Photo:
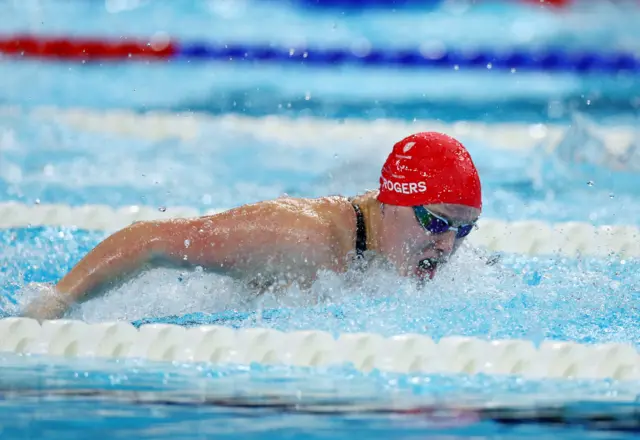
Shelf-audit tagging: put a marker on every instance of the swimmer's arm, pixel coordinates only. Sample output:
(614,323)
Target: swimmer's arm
(126,252)
(230,243)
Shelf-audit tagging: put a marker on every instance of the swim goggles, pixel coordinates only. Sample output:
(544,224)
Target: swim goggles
(437,225)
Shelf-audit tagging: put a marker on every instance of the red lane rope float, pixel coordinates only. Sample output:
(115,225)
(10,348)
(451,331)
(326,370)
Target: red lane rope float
(84,49)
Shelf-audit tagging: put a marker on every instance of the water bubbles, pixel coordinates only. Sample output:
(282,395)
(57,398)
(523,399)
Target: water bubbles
(361,47)
(162,209)
(36,202)
(160,41)
(590,183)
(187,243)
(611,196)
(48,170)
(555,109)
(433,50)
(538,131)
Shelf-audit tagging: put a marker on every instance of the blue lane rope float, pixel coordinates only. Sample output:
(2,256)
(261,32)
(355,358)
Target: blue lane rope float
(546,60)
(125,49)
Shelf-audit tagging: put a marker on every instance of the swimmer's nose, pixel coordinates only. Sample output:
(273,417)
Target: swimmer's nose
(445,242)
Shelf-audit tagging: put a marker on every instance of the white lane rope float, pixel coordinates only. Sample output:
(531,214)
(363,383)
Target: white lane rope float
(186,126)
(531,237)
(406,353)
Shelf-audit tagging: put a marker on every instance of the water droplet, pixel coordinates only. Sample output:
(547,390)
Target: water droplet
(162,209)
(187,243)
(590,183)
(611,196)
(36,202)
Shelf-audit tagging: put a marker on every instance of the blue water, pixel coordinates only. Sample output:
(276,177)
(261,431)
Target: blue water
(222,167)
(586,300)
(259,90)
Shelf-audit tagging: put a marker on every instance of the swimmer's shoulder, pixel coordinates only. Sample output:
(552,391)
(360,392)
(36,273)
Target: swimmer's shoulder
(329,211)
(322,229)
(324,215)
(320,208)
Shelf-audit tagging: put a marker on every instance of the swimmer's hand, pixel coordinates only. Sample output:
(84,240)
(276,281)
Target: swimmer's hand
(48,303)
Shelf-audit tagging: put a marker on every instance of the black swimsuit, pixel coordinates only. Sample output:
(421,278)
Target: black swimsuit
(361,233)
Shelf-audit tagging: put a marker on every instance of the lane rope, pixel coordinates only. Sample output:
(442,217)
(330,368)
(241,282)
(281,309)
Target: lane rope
(162,47)
(406,353)
(159,125)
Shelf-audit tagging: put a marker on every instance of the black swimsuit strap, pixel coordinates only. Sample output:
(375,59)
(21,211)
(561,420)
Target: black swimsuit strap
(361,232)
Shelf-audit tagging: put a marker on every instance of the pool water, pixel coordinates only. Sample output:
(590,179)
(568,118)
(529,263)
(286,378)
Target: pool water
(221,87)
(186,401)
(222,166)
(587,300)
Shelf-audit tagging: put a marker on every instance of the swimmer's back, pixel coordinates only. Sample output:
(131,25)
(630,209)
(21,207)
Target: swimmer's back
(276,236)
(290,230)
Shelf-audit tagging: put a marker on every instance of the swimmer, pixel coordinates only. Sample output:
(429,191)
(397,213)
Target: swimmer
(428,201)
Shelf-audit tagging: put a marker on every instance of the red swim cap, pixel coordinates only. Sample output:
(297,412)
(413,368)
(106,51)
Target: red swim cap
(428,168)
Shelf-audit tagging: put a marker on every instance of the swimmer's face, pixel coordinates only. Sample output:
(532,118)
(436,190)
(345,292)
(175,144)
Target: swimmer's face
(407,245)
